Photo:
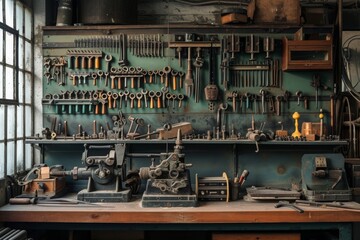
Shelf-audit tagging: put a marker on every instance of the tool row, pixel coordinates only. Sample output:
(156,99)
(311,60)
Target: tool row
(84,101)
(119,78)
(115,44)
(269,102)
(256,74)
(146,45)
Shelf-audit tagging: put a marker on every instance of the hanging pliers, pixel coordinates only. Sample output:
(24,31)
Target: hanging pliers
(288,204)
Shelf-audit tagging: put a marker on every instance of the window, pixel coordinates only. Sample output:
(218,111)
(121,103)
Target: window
(16,86)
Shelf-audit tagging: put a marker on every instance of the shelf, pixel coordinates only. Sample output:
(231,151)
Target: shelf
(186,141)
(180,28)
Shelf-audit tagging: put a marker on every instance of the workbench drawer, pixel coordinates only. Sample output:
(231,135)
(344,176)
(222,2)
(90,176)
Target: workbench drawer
(256,236)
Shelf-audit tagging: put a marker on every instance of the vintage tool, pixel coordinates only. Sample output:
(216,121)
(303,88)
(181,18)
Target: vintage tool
(268,44)
(324,177)
(212,188)
(43,201)
(341,205)
(288,204)
(211,90)
(168,183)
(252,46)
(189,82)
(40,183)
(103,170)
(296,133)
(169,131)
(271,193)
(243,177)
(198,63)
(281,132)
(225,63)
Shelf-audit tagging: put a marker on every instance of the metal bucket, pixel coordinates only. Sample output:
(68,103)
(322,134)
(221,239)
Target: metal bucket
(64,13)
(107,12)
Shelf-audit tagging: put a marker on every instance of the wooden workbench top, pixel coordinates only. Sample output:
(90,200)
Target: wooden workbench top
(207,212)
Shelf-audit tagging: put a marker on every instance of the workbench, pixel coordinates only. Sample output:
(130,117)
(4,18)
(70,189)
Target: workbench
(209,216)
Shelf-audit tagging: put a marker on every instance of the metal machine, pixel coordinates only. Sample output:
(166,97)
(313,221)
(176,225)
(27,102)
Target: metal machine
(168,183)
(104,171)
(324,177)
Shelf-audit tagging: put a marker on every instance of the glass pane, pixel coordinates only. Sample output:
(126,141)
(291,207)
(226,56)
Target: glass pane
(19,18)
(28,24)
(2,124)
(1,45)
(28,91)
(28,117)
(10,121)
(10,157)
(1,82)
(9,40)
(1,14)
(28,156)
(2,163)
(20,121)
(9,83)
(21,54)
(21,87)
(9,13)
(19,155)
(28,56)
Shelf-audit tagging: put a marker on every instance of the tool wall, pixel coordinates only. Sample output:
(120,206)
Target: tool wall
(213,80)
(234,87)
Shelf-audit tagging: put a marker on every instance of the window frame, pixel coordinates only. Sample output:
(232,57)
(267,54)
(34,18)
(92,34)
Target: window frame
(15,66)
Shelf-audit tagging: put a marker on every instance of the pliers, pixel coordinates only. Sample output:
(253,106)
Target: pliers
(288,204)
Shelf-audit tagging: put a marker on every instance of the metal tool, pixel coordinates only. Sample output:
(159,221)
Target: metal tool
(198,63)
(268,44)
(252,46)
(173,181)
(288,204)
(189,82)
(211,90)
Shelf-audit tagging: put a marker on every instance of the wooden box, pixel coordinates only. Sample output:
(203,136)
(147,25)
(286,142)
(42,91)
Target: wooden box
(307,54)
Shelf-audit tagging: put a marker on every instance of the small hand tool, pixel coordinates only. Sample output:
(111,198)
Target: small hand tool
(189,82)
(288,204)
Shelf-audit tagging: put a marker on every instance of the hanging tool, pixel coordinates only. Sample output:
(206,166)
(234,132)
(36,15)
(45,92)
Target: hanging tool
(198,63)
(268,44)
(252,46)
(316,83)
(211,90)
(189,82)
(225,64)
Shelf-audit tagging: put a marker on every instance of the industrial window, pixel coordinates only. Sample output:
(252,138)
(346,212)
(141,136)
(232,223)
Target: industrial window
(16,86)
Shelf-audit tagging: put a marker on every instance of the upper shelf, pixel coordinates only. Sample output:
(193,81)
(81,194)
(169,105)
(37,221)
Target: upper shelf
(184,28)
(185,141)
